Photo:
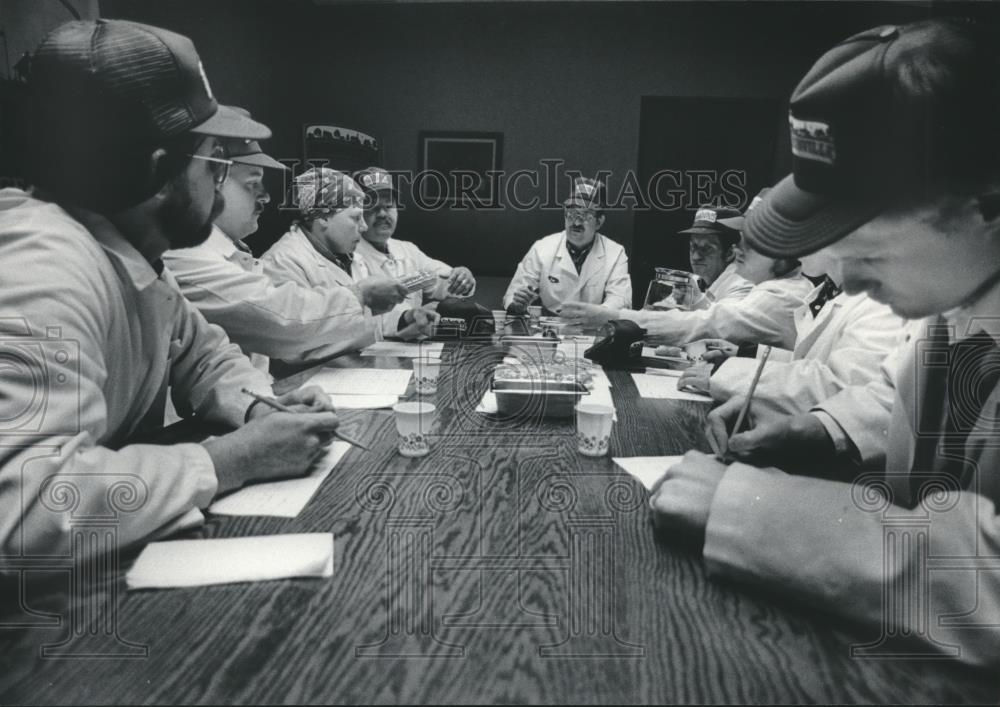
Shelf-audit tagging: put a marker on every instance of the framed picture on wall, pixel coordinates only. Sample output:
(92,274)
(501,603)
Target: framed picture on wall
(344,149)
(460,168)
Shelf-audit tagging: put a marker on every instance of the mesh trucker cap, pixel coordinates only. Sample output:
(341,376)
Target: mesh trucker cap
(374,179)
(887,116)
(152,75)
(587,193)
(712,220)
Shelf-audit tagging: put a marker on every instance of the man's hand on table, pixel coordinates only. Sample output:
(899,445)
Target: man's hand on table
(273,444)
(419,322)
(696,378)
(521,298)
(681,500)
(589,316)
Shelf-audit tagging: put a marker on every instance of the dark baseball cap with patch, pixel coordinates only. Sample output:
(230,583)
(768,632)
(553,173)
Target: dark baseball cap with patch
(889,116)
(710,220)
(152,75)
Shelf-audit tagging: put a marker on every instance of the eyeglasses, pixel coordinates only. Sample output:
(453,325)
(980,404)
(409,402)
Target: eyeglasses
(219,165)
(579,214)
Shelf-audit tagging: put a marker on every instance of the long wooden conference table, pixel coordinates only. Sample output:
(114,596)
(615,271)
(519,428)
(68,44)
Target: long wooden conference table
(502,567)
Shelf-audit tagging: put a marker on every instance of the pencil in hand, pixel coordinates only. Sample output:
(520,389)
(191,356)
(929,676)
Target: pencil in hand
(746,403)
(272,403)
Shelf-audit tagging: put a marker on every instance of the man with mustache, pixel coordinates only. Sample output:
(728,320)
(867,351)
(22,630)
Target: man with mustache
(126,161)
(766,315)
(271,318)
(385,255)
(578,263)
(895,136)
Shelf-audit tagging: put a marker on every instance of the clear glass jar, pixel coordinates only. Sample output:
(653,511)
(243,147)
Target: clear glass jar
(669,289)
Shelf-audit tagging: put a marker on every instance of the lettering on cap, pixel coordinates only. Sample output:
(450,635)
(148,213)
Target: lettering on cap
(706,215)
(373,179)
(812,140)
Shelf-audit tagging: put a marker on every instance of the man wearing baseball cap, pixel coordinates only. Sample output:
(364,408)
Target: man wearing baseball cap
(126,163)
(386,255)
(577,264)
(318,253)
(766,315)
(268,318)
(896,170)
(713,246)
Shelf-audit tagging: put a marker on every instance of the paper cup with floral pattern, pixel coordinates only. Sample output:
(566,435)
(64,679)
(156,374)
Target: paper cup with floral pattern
(593,428)
(414,422)
(425,374)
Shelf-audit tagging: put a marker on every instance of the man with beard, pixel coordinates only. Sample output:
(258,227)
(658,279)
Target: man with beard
(576,264)
(385,255)
(126,162)
(272,317)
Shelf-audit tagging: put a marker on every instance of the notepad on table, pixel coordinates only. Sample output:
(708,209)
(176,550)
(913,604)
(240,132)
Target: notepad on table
(368,381)
(648,470)
(194,563)
(363,402)
(405,349)
(285,498)
(656,386)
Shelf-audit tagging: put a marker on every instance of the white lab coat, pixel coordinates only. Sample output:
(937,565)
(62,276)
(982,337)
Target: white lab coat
(269,316)
(294,260)
(836,547)
(844,345)
(765,316)
(100,336)
(603,279)
(405,258)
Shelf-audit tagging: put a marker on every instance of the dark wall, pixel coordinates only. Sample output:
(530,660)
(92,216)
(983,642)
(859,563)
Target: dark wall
(559,80)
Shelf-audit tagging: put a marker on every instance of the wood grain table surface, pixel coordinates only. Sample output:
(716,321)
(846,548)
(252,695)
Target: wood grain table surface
(502,567)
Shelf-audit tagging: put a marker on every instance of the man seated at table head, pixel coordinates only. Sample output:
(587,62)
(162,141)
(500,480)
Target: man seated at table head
(766,315)
(318,254)
(386,255)
(578,263)
(126,161)
(712,246)
(268,319)
(895,136)
(841,340)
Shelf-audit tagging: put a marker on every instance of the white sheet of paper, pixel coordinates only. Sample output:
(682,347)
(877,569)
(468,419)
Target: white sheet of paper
(362,381)
(368,402)
(653,386)
(285,498)
(194,563)
(648,470)
(404,349)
